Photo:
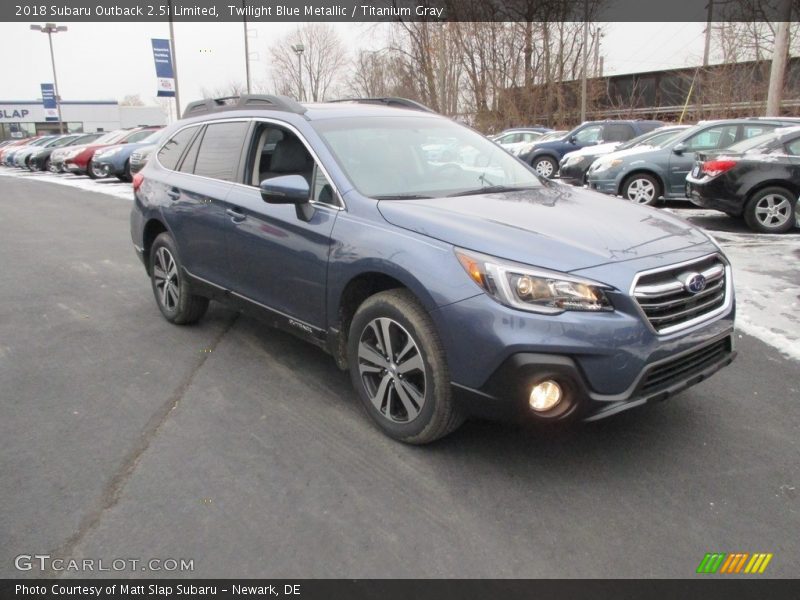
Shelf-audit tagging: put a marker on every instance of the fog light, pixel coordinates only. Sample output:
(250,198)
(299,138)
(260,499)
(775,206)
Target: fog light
(545,395)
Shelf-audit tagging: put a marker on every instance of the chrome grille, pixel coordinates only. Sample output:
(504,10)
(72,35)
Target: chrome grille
(666,300)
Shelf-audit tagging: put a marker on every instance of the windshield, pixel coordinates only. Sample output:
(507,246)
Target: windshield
(412,157)
(153,138)
(62,141)
(553,135)
(138,136)
(654,139)
(110,137)
(85,139)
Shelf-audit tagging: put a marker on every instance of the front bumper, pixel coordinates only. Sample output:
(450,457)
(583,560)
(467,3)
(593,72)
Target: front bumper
(75,168)
(574,173)
(505,395)
(608,183)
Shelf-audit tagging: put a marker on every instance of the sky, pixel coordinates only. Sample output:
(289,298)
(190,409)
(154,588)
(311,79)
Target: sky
(107,61)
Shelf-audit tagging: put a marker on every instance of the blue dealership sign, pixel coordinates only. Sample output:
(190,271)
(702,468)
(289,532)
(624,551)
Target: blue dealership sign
(162,54)
(49,102)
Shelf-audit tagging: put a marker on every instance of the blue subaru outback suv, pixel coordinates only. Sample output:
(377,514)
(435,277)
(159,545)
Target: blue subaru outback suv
(471,287)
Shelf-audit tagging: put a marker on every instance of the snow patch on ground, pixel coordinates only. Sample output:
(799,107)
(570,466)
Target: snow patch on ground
(111,186)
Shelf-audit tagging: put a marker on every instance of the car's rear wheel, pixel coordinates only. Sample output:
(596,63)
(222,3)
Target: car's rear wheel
(398,367)
(545,166)
(172,291)
(642,189)
(771,210)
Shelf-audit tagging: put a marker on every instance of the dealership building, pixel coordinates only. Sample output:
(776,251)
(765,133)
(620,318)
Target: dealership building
(24,118)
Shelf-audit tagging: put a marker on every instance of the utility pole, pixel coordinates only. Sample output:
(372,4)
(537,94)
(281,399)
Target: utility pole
(779,56)
(598,35)
(585,58)
(174,61)
(709,18)
(246,48)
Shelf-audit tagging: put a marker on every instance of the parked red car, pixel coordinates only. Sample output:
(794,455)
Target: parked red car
(78,161)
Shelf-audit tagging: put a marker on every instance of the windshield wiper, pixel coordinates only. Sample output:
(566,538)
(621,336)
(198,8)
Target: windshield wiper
(402,197)
(490,189)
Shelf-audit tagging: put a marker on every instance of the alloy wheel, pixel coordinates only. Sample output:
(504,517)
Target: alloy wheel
(641,191)
(392,370)
(165,276)
(773,210)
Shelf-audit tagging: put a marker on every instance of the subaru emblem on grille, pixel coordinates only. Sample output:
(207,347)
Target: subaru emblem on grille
(694,283)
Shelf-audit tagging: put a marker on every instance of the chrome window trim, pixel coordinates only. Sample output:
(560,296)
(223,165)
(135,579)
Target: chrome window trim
(697,320)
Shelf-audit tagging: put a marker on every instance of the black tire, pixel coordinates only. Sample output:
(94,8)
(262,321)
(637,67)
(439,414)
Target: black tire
(425,365)
(173,293)
(642,188)
(46,165)
(90,172)
(771,210)
(545,166)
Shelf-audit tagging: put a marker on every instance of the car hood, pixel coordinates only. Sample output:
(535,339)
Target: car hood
(556,226)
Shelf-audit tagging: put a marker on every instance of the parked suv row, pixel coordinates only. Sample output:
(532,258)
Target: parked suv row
(447,289)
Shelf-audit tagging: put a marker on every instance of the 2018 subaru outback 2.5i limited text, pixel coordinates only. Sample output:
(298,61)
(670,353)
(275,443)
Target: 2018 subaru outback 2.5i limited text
(448,289)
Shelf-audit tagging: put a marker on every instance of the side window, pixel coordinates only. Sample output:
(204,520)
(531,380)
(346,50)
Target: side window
(720,136)
(321,188)
(190,157)
(749,131)
(171,152)
(617,132)
(590,134)
(529,137)
(218,156)
(793,147)
(275,152)
(511,138)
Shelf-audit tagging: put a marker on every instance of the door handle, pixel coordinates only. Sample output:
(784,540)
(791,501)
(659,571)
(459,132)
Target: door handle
(174,193)
(235,214)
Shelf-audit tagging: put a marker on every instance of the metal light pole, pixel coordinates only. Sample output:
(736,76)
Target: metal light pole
(585,58)
(174,61)
(299,49)
(50,29)
(246,48)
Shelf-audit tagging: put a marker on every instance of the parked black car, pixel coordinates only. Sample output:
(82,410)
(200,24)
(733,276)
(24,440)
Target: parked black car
(544,157)
(758,179)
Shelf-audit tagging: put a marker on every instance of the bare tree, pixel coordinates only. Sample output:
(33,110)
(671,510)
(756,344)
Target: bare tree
(132,100)
(323,62)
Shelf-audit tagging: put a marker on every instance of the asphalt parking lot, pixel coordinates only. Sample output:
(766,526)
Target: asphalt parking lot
(243,449)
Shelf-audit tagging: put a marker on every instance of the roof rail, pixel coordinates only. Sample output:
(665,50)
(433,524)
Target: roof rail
(243,102)
(389,101)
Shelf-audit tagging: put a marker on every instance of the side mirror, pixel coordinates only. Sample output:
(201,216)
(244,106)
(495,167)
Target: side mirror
(679,148)
(289,189)
(573,139)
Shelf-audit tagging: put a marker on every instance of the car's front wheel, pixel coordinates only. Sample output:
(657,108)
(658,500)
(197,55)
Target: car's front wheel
(398,367)
(642,189)
(545,166)
(95,172)
(172,291)
(771,210)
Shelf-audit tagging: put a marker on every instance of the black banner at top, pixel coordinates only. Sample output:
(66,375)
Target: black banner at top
(393,10)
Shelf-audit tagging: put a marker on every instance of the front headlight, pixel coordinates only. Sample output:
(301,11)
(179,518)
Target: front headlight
(73,154)
(605,165)
(574,160)
(533,289)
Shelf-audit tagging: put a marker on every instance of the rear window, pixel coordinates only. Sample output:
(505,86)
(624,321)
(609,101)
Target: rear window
(171,152)
(220,149)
